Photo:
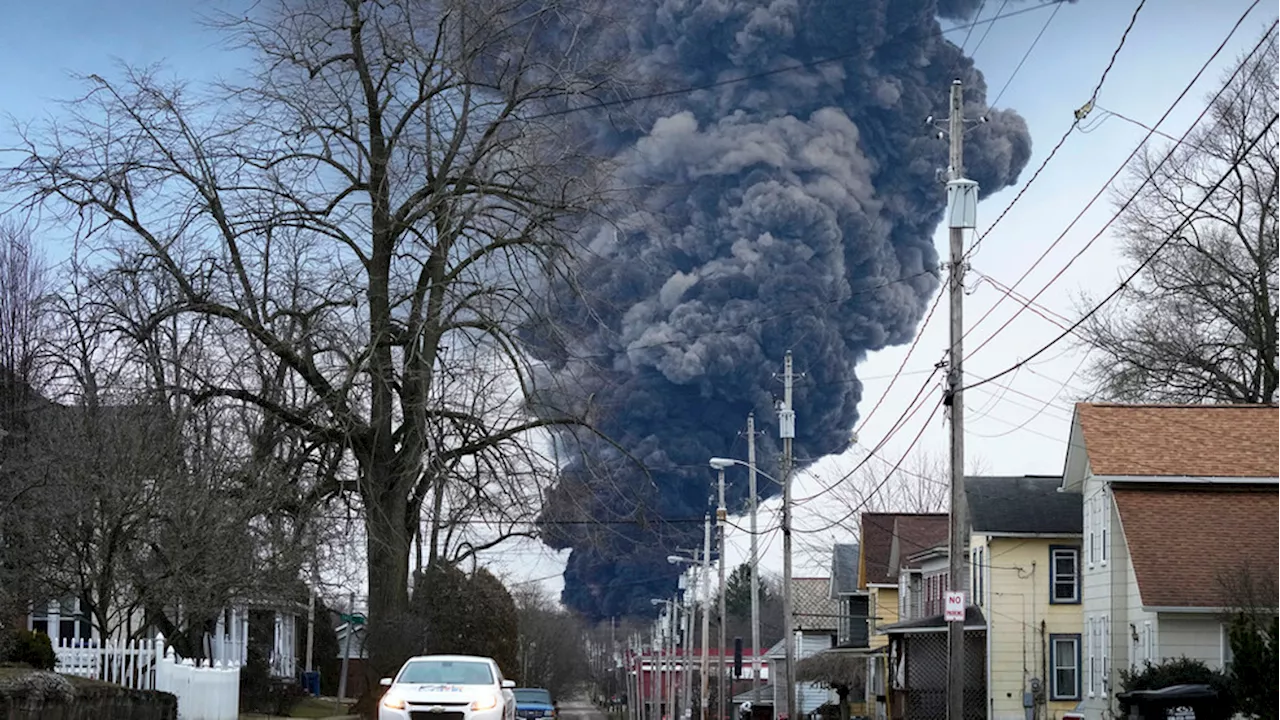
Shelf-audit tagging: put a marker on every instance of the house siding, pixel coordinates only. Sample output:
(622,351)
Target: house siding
(1020,620)
(884,607)
(1194,635)
(1097,602)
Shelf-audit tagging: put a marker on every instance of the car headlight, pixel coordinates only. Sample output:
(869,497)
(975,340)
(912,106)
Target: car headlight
(548,713)
(485,703)
(393,702)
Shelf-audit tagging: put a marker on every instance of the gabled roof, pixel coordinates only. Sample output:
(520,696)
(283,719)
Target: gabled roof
(1022,505)
(1206,441)
(1183,541)
(813,606)
(844,570)
(914,532)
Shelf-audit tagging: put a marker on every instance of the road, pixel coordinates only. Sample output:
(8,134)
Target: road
(580,709)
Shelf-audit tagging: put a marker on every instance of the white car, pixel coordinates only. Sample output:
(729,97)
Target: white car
(448,687)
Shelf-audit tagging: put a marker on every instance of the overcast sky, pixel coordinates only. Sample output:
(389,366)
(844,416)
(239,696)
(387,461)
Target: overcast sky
(1015,426)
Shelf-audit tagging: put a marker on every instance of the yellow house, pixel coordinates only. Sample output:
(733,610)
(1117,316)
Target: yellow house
(887,539)
(885,542)
(1024,553)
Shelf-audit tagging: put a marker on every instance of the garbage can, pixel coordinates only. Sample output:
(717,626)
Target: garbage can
(311,682)
(1176,702)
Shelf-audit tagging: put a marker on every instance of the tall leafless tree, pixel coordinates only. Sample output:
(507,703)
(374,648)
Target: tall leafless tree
(918,484)
(24,326)
(1199,322)
(392,182)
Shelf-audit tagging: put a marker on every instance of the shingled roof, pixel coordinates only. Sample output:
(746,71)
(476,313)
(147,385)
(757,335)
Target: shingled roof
(1182,539)
(815,610)
(1181,440)
(915,531)
(1022,505)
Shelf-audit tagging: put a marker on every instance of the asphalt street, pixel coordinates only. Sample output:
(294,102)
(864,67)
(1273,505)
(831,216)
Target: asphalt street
(580,709)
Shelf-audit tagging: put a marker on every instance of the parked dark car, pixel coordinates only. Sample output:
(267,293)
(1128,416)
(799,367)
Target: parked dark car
(535,703)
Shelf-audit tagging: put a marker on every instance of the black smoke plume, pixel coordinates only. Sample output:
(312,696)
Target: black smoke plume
(791,211)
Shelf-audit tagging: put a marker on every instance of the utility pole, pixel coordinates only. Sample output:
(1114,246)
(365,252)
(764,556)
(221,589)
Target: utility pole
(722,518)
(787,431)
(961,214)
(686,663)
(706,612)
(755,562)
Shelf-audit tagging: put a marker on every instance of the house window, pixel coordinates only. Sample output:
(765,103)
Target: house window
(1089,527)
(1227,654)
(1064,574)
(1104,522)
(62,620)
(1106,654)
(1066,667)
(977,581)
(1092,628)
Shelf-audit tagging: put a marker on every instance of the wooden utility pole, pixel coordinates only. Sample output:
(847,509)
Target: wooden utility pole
(961,215)
(755,561)
(706,613)
(787,431)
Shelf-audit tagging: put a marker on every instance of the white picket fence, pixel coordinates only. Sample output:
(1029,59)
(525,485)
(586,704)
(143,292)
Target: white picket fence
(204,693)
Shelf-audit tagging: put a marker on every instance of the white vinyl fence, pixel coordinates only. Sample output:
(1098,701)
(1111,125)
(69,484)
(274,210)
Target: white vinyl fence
(204,693)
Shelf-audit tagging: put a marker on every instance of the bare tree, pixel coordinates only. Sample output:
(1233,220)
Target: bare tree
(390,184)
(24,284)
(920,483)
(1199,322)
(24,288)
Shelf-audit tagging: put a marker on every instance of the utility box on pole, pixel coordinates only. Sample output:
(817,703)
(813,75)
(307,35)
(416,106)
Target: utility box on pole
(962,204)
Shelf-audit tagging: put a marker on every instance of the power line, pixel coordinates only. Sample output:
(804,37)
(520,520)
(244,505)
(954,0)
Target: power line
(1146,261)
(1062,140)
(1112,179)
(930,34)
(1027,54)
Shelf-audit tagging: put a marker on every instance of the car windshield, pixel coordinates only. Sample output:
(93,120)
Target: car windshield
(532,695)
(446,672)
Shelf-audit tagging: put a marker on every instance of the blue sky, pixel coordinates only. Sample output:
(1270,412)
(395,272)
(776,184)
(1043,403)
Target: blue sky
(1016,427)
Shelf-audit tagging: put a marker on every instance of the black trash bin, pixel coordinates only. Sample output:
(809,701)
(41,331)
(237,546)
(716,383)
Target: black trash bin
(1176,702)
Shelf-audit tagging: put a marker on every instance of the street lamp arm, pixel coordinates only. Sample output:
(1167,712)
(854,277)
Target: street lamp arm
(719,463)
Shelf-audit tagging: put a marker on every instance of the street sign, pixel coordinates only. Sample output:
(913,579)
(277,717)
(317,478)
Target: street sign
(353,618)
(955,607)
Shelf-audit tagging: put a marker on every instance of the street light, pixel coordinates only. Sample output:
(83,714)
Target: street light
(719,462)
(686,689)
(664,660)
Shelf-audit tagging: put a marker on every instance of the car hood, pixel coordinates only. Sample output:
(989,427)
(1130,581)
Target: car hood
(444,695)
(533,706)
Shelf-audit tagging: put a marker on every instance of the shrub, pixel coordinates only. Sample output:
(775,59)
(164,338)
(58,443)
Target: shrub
(30,648)
(1182,671)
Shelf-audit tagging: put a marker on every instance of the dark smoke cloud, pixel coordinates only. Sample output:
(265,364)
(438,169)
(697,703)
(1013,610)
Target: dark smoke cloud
(793,211)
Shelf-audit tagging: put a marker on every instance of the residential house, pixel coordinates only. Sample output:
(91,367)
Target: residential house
(1024,552)
(1177,501)
(882,537)
(851,644)
(917,658)
(885,541)
(853,629)
(816,629)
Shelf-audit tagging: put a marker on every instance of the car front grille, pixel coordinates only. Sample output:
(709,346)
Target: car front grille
(430,715)
(531,713)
